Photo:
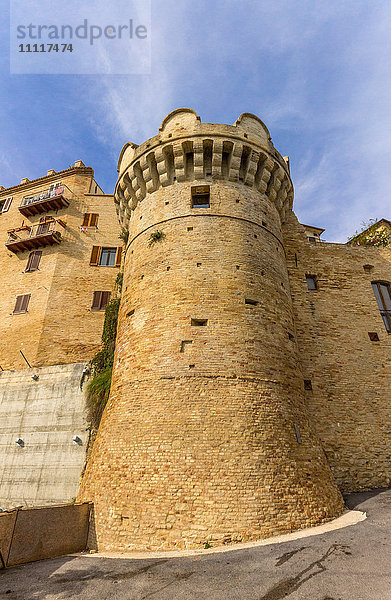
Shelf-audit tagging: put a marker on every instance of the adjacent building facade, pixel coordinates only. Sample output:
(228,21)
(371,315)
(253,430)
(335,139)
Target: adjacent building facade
(60,247)
(59,258)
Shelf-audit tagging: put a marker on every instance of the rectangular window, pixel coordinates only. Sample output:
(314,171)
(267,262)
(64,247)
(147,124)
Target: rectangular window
(100,300)
(200,196)
(22,303)
(373,336)
(90,220)
(5,204)
(312,283)
(105,257)
(383,299)
(33,261)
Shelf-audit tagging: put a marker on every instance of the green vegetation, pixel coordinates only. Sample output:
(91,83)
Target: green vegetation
(98,388)
(156,236)
(124,236)
(119,281)
(371,234)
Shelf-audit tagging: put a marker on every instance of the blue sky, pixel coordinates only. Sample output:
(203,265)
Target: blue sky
(317,73)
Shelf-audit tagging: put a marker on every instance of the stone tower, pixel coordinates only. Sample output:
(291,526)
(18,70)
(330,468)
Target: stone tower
(205,437)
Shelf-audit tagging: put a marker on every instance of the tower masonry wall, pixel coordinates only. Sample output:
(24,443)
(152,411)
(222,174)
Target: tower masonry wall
(349,403)
(206,435)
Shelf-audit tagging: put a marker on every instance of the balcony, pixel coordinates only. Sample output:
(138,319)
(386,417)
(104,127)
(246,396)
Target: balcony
(31,237)
(51,199)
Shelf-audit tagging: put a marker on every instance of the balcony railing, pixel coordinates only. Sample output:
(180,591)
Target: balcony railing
(30,237)
(51,199)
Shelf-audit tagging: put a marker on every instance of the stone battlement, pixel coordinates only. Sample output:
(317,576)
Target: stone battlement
(187,150)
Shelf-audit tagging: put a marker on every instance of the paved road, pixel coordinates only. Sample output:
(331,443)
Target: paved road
(349,564)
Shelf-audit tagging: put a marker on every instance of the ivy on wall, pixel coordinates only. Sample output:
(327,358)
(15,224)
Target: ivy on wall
(372,233)
(98,388)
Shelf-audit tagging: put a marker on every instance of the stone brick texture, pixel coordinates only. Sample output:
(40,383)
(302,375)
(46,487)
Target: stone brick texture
(207,435)
(350,374)
(59,326)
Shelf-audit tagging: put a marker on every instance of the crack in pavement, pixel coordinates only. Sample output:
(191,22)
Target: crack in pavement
(287,586)
(288,555)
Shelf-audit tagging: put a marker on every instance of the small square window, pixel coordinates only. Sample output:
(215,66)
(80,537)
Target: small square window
(307,384)
(312,283)
(368,268)
(185,344)
(373,336)
(200,196)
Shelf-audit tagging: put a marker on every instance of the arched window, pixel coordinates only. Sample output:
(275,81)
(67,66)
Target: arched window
(383,298)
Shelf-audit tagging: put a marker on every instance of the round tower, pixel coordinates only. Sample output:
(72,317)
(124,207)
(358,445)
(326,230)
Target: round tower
(205,437)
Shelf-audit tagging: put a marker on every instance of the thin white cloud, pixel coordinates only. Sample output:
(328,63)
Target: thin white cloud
(319,72)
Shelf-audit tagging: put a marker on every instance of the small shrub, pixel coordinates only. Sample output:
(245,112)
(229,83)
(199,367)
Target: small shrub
(124,236)
(371,235)
(98,391)
(156,236)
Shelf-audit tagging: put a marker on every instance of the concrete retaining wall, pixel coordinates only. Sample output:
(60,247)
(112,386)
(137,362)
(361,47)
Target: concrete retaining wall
(43,532)
(46,414)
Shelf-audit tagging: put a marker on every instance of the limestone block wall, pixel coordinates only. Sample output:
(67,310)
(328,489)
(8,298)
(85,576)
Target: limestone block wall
(350,375)
(59,326)
(46,414)
(206,436)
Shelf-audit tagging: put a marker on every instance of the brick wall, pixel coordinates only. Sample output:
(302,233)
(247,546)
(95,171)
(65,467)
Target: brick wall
(350,374)
(198,442)
(59,326)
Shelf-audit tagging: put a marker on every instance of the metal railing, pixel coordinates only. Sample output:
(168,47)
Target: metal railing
(54,226)
(52,192)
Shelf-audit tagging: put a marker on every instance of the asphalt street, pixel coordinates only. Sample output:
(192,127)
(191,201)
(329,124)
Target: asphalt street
(353,563)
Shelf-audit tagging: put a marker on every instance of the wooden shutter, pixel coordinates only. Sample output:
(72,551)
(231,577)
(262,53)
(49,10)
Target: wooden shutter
(95,255)
(96,301)
(33,260)
(36,260)
(105,299)
(90,220)
(7,204)
(94,219)
(25,302)
(22,303)
(18,304)
(118,257)
(30,261)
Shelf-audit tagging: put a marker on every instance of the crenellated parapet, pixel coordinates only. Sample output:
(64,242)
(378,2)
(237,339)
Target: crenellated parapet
(187,150)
